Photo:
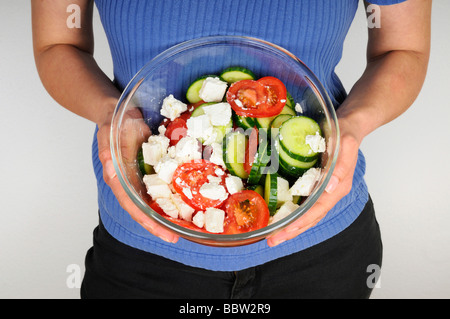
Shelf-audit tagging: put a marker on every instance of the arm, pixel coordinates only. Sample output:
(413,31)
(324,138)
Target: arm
(397,60)
(66,66)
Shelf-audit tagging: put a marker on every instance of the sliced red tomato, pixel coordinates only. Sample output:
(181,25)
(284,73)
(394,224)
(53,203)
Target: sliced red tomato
(251,149)
(262,98)
(192,176)
(245,211)
(176,130)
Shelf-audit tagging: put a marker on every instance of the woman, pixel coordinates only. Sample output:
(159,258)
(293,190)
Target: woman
(325,253)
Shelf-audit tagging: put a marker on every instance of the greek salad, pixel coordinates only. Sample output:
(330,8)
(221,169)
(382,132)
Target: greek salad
(237,156)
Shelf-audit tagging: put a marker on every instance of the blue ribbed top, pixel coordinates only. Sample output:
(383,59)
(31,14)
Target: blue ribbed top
(313,30)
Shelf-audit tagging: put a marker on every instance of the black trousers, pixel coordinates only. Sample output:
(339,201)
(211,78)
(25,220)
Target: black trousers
(341,267)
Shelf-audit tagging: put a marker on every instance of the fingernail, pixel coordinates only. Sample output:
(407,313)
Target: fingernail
(332,184)
(171,241)
(109,167)
(276,242)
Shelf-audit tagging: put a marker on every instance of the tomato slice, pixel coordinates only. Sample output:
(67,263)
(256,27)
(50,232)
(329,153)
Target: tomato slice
(262,98)
(192,176)
(245,211)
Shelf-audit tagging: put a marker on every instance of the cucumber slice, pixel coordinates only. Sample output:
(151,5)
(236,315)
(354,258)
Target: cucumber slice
(235,74)
(292,136)
(220,130)
(290,101)
(192,93)
(244,121)
(261,159)
(279,120)
(296,199)
(234,146)
(257,188)
(144,168)
(264,122)
(199,109)
(293,163)
(270,192)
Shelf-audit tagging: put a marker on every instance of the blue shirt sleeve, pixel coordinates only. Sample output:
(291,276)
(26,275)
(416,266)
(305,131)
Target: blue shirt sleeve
(385,2)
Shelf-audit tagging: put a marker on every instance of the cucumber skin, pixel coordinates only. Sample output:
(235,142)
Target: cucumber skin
(270,192)
(192,95)
(236,169)
(246,74)
(289,150)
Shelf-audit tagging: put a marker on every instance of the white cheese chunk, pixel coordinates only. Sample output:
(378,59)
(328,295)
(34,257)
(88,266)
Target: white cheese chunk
(283,194)
(175,207)
(285,210)
(184,210)
(165,168)
(187,192)
(214,219)
(213,191)
(316,142)
(199,219)
(199,127)
(219,114)
(305,184)
(217,155)
(155,149)
(156,187)
(168,207)
(162,130)
(187,149)
(298,108)
(172,108)
(234,184)
(212,90)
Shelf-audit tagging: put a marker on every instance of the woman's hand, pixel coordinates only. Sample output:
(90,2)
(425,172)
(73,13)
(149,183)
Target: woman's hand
(129,150)
(339,185)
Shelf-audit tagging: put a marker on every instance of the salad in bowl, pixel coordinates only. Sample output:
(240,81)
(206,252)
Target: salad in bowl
(227,153)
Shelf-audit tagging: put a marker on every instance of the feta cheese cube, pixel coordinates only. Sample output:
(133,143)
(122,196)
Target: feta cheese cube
(172,108)
(213,191)
(219,114)
(155,149)
(184,210)
(214,219)
(156,187)
(285,210)
(305,184)
(199,127)
(283,193)
(168,206)
(316,142)
(213,90)
(187,149)
(187,192)
(199,219)
(217,155)
(165,168)
(234,184)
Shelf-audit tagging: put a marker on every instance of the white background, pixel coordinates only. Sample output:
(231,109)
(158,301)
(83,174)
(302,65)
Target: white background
(48,190)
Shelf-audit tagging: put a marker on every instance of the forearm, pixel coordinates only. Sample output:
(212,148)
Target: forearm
(74,80)
(387,88)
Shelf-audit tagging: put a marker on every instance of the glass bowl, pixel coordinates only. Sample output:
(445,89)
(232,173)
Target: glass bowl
(137,114)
